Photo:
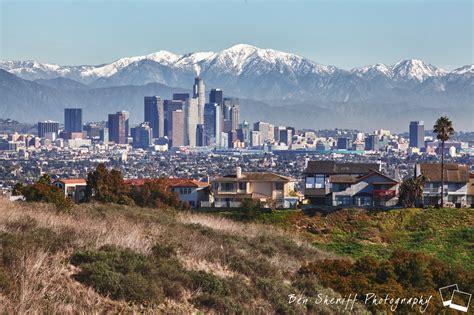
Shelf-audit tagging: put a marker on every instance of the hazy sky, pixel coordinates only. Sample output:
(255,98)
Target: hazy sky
(341,33)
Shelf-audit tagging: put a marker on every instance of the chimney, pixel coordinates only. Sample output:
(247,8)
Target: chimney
(238,172)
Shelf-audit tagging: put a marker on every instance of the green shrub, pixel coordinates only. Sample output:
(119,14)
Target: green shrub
(44,191)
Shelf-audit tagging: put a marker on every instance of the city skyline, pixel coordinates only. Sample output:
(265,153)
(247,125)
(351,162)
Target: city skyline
(62,37)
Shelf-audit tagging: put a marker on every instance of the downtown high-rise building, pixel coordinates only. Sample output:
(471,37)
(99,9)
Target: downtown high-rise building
(180,96)
(283,134)
(168,107)
(266,131)
(216,96)
(231,112)
(417,134)
(117,125)
(190,121)
(199,92)
(372,143)
(48,128)
(142,136)
(154,115)
(73,120)
(177,128)
(212,124)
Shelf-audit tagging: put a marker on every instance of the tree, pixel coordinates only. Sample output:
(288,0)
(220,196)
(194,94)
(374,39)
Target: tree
(107,186)
(44,191)
(411,190)
(443,130)
(155,193)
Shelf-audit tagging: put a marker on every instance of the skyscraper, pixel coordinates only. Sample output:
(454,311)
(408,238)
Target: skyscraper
(73,120)
(177,128)
(200,135)
(190,121)
(266,131)
(180,96)
(212,124)
(343,143)
(372,143)
(231,111)
(168,107)
(199,92)
(154,114)
(142,136)
(126,116)
(417,134)
(216,96)
(48,127)
(117,125)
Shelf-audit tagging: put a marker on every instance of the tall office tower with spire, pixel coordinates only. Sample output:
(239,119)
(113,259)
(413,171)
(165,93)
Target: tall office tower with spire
(154,115)
(199,92)
(190,121)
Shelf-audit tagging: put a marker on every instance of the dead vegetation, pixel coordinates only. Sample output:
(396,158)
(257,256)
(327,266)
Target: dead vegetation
(222,266)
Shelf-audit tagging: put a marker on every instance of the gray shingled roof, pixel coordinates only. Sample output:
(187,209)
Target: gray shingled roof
(333,168)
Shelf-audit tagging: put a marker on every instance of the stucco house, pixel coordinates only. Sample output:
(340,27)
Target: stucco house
(265,187)
(72,188)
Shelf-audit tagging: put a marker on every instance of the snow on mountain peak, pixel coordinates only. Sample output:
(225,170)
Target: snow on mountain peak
(415,69)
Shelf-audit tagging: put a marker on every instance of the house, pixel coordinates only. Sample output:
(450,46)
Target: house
(72,188)
(456,182)
(470,191)
(188,190)
(349,184)
(265,187)
(192,191)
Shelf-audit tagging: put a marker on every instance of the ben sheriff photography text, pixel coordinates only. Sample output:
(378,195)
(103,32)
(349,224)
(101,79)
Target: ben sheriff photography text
(347,303)
(236,157)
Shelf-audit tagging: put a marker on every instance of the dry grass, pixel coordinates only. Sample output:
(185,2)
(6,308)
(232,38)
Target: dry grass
(203,243)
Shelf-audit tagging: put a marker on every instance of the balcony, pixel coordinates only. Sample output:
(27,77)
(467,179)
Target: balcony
(384,193)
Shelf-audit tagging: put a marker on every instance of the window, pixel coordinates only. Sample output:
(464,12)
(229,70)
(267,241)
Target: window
(319,181)
(363,201)
(279,186)
(227,187)
(242,185)
(185,191)
(343,200)
(309,182)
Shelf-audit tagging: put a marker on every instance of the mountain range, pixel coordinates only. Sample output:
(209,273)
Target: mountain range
(281,86)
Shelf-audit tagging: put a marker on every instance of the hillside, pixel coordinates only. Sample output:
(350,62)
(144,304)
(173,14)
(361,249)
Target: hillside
(110,258)
(157,260)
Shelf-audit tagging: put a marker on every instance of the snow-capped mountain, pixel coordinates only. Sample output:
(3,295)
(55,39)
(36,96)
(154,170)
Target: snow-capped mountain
(248,71)
(404,70)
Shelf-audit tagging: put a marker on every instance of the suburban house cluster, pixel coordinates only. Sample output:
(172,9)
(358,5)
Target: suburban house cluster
(325,183)
(349,184)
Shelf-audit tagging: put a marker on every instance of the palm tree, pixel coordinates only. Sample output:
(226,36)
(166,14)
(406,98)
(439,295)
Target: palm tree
(443,129)
(411,191)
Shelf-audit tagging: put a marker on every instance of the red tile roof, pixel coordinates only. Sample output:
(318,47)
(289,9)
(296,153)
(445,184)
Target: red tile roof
(73,181)
(170,182)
